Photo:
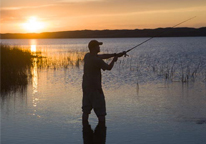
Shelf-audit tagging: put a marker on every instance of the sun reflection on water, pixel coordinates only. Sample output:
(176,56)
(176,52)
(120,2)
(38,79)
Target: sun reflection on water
(34,78)
(33,43)
(33,48)
(35,99)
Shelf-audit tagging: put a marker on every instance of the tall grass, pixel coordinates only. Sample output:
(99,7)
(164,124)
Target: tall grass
(15,68)
(72,59)
(172,68)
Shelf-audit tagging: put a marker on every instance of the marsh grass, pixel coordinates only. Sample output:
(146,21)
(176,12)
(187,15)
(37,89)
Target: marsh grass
(15,68)
(68,61)
(171,68)
(17,63)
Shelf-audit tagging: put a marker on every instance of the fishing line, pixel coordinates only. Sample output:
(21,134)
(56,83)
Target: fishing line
(157,35)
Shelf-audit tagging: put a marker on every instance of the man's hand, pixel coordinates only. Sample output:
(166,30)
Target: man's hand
(115,58)
(121,54)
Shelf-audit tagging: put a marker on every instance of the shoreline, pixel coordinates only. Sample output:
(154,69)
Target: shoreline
(136,33)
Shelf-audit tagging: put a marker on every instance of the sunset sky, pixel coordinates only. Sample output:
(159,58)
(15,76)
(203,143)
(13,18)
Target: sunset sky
(23,16)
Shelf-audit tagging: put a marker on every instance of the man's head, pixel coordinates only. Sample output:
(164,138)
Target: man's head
(94,46)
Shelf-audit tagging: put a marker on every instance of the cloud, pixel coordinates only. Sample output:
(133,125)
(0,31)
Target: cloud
(107,7)
(26,7)
(94,8)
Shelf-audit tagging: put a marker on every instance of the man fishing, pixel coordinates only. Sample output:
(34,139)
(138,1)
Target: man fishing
(93,96)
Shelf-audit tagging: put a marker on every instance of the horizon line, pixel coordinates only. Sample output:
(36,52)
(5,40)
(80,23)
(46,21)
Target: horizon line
(103,30)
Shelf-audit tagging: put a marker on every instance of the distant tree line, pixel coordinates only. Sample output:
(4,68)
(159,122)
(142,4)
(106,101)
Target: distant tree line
(159,32)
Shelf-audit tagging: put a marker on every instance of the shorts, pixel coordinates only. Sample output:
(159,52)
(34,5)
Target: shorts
(94,99)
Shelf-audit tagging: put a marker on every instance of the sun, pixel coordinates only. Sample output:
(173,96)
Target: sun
(33,25)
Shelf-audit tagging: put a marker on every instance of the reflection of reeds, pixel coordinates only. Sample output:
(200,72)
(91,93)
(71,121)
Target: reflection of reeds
(15,68)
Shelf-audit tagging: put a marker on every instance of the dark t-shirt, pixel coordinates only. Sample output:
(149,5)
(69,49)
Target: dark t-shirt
(92,71)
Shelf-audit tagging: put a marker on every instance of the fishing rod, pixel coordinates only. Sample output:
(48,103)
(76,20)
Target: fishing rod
(156,36)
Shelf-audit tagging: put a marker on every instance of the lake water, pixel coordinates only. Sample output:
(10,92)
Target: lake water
(157,95)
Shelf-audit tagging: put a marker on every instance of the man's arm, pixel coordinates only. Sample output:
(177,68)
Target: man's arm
(110,66)
(107,56)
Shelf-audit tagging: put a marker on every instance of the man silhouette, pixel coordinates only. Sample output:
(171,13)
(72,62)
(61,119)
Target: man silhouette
(93,96)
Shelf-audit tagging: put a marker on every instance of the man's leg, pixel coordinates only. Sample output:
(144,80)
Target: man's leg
(86,105)
(100,105)
(100,133)
(85,117)
(87,133)
(101,119)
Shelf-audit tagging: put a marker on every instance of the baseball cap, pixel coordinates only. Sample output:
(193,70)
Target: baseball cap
(94,43)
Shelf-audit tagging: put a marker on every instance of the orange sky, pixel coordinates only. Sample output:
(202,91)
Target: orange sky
(24,16)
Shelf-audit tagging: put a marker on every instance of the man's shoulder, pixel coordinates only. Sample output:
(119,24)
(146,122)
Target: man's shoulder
(93,58)
(87,54)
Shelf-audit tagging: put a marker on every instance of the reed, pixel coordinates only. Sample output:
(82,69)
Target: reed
(171,68)
(15,68)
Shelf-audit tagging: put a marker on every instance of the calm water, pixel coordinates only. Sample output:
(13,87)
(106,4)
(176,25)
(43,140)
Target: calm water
(157,95)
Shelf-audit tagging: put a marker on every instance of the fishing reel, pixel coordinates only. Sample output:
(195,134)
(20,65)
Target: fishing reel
(125,54)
